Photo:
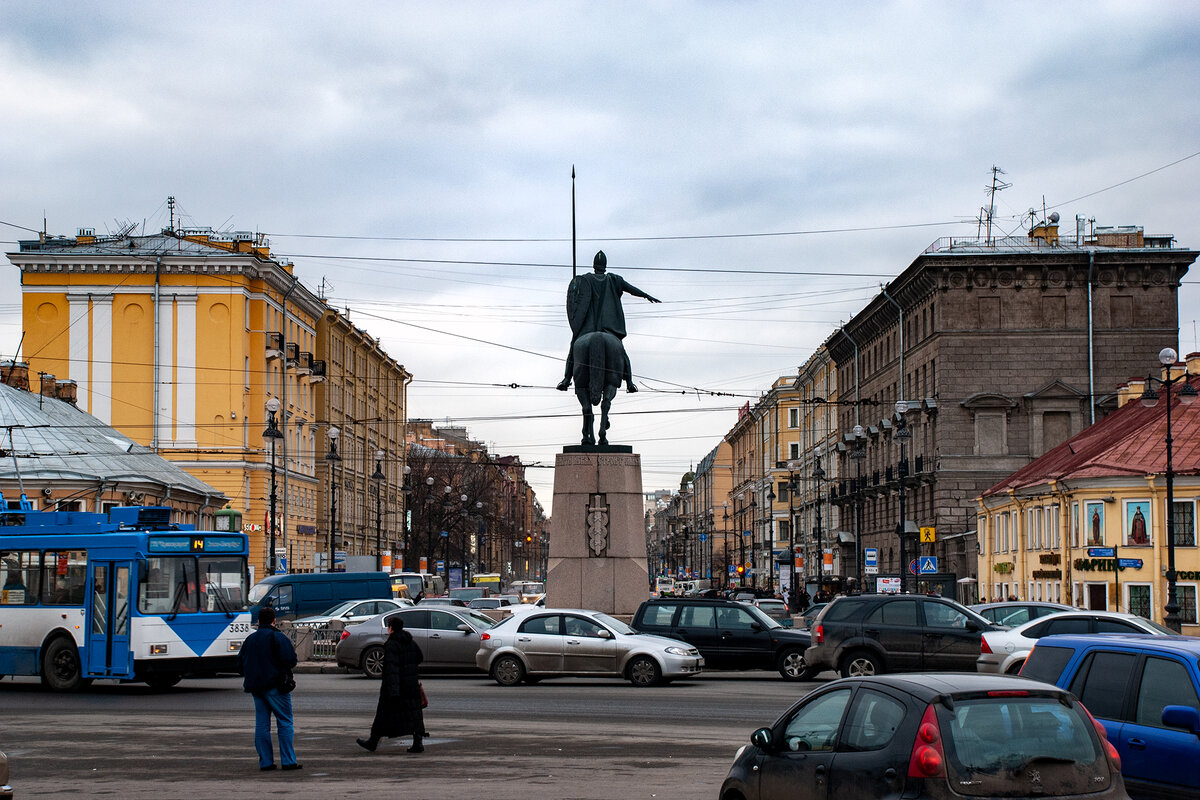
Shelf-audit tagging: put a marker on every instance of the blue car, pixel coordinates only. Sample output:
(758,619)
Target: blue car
(1145,690)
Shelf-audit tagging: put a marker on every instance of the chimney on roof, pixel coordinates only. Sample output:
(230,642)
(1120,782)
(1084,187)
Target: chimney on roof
(15,374)
(1131,391)
(67,391)
(48,385)
(1192,360)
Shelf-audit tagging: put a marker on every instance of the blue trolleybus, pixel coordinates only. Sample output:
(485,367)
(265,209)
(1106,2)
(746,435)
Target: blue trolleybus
(123,594)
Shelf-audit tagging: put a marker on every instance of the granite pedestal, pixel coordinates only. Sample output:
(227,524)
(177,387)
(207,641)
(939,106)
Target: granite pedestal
(597,556)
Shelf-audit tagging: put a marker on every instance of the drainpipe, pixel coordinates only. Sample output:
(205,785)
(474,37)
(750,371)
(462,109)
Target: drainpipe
(900,309)
(1091,341)
(154,442)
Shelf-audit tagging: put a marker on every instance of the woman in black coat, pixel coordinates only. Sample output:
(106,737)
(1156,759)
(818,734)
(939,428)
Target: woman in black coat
(399,709)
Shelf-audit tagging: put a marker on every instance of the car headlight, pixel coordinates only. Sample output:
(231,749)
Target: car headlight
(682,651)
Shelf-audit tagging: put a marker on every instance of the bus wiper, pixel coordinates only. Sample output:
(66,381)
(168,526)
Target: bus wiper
(214,591)
(180,594)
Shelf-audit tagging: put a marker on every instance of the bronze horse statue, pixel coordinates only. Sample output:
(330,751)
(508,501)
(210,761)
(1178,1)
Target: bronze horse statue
(599,364)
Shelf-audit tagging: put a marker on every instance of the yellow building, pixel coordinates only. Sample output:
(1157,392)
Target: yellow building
(178,339)
(1086,523)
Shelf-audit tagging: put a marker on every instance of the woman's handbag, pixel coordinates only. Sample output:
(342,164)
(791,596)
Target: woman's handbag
(424,699)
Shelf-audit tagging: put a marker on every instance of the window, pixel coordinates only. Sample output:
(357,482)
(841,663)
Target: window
(1184,521)
(1138,599)
(896,612)
(697,617)
(793,418)
(1185,594)
(1164,683)
(940,615)
(543,625)
(1101,687)
(873,721)
(19,577)
(170,586)
(63,575)
(815,725)
(578,626)
(443,621)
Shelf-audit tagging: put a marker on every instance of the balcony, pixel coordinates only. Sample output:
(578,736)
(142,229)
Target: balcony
(274,345)
(304,365)
(317,372)
(293,354)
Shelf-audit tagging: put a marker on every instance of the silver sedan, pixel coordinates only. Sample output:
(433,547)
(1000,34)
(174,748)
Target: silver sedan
(448,637)
(1005,651)
(563,642)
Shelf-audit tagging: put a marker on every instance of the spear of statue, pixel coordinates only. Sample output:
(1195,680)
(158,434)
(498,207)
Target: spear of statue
(574,267)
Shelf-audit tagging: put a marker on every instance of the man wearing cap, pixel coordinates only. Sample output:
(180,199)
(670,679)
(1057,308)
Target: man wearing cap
(267,658)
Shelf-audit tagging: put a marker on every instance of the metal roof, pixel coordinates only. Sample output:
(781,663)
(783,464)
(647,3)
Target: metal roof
(53,440)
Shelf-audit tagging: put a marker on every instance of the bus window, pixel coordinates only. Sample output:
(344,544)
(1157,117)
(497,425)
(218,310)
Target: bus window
(19,577)
(170,586)
(223,584)
(63,575)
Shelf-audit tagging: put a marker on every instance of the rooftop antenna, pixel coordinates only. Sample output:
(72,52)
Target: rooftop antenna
(997,186)
(171,206)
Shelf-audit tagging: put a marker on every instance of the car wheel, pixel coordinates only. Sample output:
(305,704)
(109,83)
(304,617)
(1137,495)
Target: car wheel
(372,662)
(61,670)
(860,664)
(791,665)
(508,671)
(1015,669)
(644,671)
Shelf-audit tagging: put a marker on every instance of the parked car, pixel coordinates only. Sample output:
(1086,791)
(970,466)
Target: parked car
(1016,612)
(352,612)
(562,642)
(775,609)
(810,614)
(730,635)
(456,602)
(1145,691)
(1006,651)
(870,634)
(929,736)
(303,594)
(6,791)
(469,593)
(448,638)
(492,602)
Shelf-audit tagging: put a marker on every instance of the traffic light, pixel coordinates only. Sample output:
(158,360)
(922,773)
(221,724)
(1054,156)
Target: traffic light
(528,538)
(741,569)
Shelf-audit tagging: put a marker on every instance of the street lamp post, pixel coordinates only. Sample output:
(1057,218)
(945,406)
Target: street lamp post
(725,549)
(1187,395)
(405,536)
(792,465)
(272,433)
(770,537)
(446,508)
(819,475)
(859,453)
(902,434)
(753,541)
(378,478)
(332,457)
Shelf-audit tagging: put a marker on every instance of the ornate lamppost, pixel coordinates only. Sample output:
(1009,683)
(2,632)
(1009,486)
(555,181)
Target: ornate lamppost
(902,435)
(333,458)
(725,550)
(770,535)
(818,475)
(272,433)
(1187,395)
(859,453)
(378,477)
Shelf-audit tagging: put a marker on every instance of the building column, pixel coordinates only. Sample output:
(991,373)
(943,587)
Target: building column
(185,371)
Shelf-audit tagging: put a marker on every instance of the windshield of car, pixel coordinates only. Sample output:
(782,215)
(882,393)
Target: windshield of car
(1015,745)
(614,624)
(481,621)
(1159,628)
(260,591)
(771,605)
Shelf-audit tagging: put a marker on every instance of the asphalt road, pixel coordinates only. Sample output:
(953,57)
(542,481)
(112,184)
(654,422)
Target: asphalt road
(563,738)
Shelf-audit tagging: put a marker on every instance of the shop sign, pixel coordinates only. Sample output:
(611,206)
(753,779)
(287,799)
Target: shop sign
(1107,564)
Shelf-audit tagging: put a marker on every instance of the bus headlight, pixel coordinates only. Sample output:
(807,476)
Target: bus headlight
(235,647)
(158,649)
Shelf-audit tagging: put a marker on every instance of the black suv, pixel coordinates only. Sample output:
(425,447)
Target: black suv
(729,635)
(870,634)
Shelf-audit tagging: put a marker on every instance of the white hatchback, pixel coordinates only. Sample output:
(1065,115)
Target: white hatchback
(1006,651)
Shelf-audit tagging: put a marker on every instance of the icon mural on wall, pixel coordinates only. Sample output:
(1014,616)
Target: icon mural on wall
(1137,522)
(1093,515)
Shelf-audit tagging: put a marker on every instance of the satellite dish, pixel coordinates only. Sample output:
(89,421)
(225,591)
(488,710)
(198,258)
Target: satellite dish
(1054,217)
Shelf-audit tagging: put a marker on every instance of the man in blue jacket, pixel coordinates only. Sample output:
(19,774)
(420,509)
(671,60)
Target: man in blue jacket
(267,658)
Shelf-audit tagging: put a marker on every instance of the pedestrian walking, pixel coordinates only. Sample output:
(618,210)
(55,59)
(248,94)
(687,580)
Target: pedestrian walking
(399,710)
(267,659)
(802,600)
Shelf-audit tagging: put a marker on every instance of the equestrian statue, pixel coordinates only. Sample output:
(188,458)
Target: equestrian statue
(596,360)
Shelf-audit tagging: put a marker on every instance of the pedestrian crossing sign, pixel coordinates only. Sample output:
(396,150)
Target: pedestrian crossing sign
(928,565)
(927,535)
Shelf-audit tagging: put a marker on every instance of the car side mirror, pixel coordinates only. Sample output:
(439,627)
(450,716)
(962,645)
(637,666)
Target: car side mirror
(1184,717)
(763,740)
(604,634)
(757,628)
(465,628)
(973,626)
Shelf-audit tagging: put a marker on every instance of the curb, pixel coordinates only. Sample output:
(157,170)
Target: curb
(319,668)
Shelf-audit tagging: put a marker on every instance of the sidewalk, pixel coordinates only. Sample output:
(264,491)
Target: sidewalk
(319,668)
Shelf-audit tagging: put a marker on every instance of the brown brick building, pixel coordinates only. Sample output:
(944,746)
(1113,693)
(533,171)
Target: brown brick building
(1003,349)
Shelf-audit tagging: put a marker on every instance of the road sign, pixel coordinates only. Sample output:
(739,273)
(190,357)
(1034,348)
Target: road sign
(281,561)
(927,535)
(445,534)
(441,565)
(1102,552)
(1129,563)
(912,567)
(870,570)
(928,565)
(871,557)
(732,569)
(704,537)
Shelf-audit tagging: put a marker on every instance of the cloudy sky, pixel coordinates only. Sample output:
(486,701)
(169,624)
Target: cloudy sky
(761,167)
